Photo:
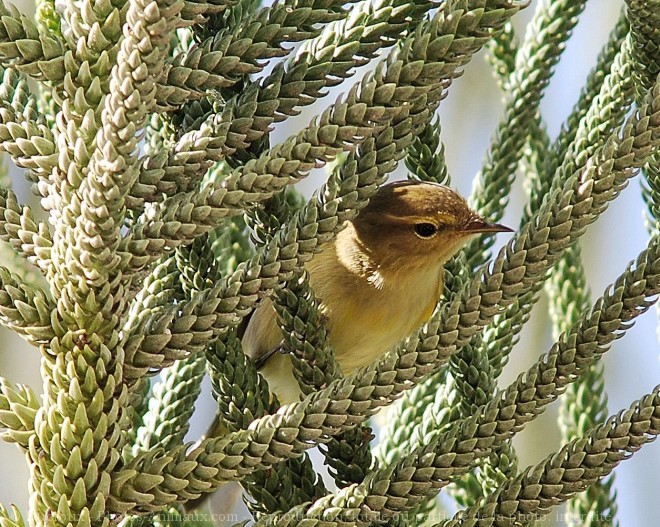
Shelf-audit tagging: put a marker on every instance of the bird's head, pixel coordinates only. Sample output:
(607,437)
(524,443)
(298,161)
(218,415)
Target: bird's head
(411,224)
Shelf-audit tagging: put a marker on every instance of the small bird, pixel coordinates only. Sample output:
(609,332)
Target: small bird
(377,281)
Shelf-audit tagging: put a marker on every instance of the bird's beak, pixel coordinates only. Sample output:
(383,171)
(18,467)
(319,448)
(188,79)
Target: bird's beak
(478,225)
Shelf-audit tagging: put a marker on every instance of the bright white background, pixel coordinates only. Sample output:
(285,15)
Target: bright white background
(469,116)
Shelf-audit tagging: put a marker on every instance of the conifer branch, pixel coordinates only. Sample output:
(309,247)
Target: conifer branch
(535,62)
(23,47)
(573,469)
(320,62)
(13,520)
(220,61)
(25,309)
(598,112)
(18,227)
(645,39)
(18,408)
(23,133)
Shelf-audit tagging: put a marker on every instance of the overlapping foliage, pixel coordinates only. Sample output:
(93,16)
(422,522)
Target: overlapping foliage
(144,127)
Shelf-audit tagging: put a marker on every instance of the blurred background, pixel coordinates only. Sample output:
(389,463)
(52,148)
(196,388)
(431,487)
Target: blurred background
(469,116)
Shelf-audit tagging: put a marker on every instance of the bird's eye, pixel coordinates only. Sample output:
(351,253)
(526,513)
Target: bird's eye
(425,230)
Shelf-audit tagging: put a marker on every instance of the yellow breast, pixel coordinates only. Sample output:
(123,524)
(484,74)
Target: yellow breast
(365,321)
(365,317)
